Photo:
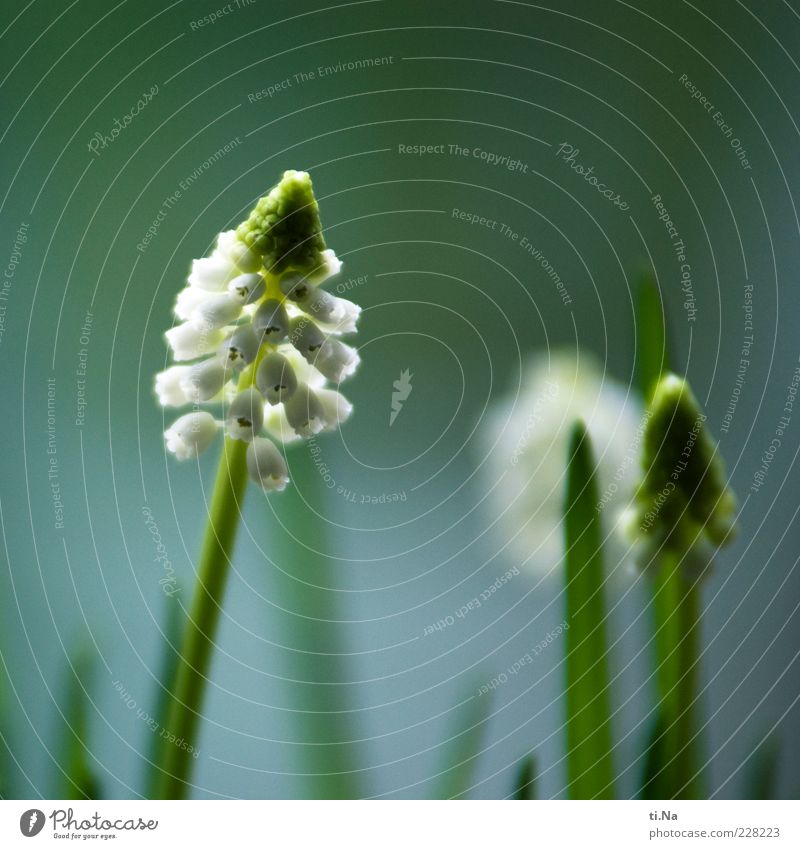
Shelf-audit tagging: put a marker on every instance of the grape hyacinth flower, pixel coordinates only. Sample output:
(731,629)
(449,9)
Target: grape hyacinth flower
(259,342)
(259,336)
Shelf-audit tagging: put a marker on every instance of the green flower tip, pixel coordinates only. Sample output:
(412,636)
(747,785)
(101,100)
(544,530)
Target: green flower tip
(683,502)
(284,227)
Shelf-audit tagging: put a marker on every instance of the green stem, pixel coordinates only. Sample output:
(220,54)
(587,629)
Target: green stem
(677,613)
(689,649)
(198,643)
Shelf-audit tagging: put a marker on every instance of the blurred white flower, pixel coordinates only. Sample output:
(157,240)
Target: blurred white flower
(525,440)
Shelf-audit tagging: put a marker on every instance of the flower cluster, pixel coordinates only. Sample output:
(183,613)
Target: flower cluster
(683,504)
(260,338)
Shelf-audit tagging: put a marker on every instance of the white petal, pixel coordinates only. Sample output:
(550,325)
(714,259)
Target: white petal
(204,381)
(212,273)
(304,372)
(240,348)
(188,300)
(245,416)
(190,435)
(277,425)
(231,247)
(275,378)
(331,265)
(335,360)
(304,412)
(247,288)
(189,342)
(336,408)
(271,323)
(168,386)
(343,317)
(266,465)
(216,311)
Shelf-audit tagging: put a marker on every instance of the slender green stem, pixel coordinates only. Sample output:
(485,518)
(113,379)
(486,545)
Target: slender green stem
(198,642)
(677,613)
(590,743)
(689,649)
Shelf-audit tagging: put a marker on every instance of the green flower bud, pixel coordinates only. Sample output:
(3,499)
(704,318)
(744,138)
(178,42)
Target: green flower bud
(284,227)
(683,502)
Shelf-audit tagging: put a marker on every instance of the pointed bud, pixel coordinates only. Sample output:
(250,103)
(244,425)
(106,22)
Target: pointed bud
(683,499)
(271,323)
(275,378)
(284,227)
(245,415)
(191,434)
(266,465)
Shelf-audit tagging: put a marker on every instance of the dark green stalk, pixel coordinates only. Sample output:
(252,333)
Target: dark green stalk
(589,734)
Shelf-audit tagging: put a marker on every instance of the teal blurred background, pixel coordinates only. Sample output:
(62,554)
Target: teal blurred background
(359,569)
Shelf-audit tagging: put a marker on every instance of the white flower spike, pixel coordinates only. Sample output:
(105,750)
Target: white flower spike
(260,335)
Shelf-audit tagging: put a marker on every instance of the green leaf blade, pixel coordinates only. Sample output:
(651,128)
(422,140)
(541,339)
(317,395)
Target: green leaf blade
(589,733)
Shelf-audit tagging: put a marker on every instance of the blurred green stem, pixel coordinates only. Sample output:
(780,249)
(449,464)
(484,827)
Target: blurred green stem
(589,734)
(198,643)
